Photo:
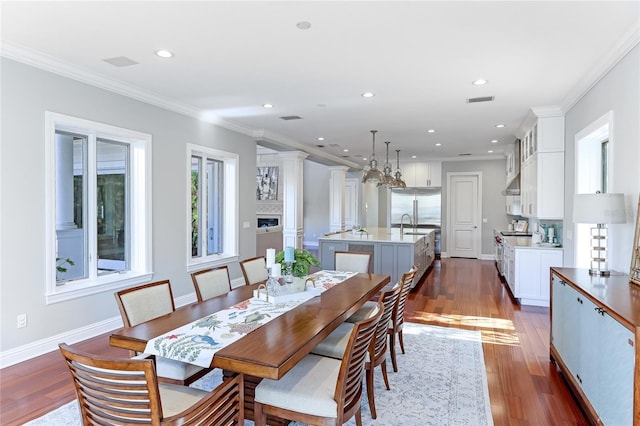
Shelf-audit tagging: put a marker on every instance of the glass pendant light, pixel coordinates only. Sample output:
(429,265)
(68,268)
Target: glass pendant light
(373,175)
(398,182)
(387,178)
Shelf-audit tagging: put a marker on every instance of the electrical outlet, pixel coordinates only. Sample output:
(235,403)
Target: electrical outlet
(21,321)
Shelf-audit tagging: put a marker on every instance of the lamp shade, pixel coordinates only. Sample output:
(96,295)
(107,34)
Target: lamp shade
(598,208)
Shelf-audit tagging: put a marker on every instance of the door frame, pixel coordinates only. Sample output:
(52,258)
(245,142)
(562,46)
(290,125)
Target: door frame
(450,191)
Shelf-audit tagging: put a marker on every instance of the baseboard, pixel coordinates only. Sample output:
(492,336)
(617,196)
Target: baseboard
(492,256)
(49,344)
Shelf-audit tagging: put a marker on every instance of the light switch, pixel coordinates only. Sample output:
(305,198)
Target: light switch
(246,225)
(484,220)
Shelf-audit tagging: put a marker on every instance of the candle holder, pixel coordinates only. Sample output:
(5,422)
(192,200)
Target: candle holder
(288,271)
(272,283)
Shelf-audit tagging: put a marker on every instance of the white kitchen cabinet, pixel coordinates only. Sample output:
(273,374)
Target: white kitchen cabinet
(542,169)
(512,164)
(593,328)
(422,174)
(512,205)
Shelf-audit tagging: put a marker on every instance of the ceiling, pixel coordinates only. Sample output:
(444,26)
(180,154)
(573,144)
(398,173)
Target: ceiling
(419,58)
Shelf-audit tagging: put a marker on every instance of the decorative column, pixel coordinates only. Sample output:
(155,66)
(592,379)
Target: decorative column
(337,197)
(292,185)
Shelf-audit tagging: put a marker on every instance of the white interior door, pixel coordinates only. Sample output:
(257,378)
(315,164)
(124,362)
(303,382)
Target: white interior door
(464,215)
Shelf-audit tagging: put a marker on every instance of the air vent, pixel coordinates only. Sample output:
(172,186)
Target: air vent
(120,61)
(480,99)
(462,155)
(291,117)
(320,146)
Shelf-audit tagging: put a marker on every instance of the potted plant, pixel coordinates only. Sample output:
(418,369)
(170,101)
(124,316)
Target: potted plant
(303,261)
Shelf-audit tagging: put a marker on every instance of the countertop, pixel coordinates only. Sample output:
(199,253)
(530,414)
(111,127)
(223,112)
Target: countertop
(525,243)
(380,235)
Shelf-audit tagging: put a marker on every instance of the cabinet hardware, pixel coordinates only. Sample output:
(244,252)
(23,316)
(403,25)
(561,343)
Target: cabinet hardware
(630,342)
(579,379)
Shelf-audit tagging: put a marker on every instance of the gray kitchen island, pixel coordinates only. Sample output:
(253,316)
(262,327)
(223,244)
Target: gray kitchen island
(392,253)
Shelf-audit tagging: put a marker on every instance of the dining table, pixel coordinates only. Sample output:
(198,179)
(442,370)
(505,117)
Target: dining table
(275,347)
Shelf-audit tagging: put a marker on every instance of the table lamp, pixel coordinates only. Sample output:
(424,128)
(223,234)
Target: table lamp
(600,209)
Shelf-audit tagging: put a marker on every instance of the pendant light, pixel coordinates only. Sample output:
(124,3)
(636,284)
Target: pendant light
(373,175)
(398,182)
(387,178)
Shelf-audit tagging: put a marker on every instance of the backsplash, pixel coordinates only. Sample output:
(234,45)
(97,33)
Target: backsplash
(544,226)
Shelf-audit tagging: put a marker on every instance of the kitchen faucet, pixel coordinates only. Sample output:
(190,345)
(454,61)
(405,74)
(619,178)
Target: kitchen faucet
(402,222)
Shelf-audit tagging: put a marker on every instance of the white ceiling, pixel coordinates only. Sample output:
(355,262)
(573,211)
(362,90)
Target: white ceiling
(418,57)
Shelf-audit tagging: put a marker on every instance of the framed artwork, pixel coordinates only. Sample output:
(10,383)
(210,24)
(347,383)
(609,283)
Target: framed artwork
(267,184)
(634,272)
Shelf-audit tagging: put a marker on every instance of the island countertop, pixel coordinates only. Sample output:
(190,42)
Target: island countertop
(380,235)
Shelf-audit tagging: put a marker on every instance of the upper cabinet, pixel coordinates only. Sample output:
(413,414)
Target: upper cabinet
(512,166)
(542,166)
(422,174)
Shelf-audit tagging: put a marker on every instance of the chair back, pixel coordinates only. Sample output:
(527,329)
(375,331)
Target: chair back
(114,391)
(378,346)
(349,386)
(254,270)
(397,318)
(145,302)
(352,261)
(211,282)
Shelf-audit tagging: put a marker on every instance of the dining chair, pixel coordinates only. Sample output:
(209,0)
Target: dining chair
(334,345)
(126,391)
(210,283)
(254,270)
(352,261)
(319,389)
(397,317)
(146,302)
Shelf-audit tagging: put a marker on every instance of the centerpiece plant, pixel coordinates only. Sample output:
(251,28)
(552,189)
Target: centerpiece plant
(303,261)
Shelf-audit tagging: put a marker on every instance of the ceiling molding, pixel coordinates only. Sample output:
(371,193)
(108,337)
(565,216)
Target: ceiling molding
(625,43)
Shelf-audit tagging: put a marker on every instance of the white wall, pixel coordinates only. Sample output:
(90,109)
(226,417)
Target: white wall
(28,92)
(315,208)
(618,91)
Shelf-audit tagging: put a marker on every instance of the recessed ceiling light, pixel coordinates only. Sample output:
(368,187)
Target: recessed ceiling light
(320,138)
(479,82)
(431,131)
(303,25)
(364,158)
(345,150)
(414,156)
(499,126)
(267,105)
(163,53)
(490,151)
(438,144)
(494,141)
(368,95)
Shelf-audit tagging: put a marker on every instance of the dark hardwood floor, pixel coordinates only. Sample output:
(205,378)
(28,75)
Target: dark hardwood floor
(524,387)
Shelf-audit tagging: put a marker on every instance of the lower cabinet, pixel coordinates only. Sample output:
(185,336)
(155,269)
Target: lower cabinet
(594,346)
(526,271)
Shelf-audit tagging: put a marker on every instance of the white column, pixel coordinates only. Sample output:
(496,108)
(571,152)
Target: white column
(64,182)
(292,185)
(336,197)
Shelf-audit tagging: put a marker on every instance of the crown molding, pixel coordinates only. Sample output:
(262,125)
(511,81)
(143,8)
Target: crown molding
(624,45)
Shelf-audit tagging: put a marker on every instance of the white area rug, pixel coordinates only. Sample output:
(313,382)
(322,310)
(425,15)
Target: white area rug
(440,381)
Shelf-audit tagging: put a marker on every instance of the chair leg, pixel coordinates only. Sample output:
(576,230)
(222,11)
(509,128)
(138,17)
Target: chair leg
(359,416)
(370,396)
(401,341)
(259,416)
(383,366)
(392,344)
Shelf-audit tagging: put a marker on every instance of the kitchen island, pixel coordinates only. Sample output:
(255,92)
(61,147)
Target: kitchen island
(392,252)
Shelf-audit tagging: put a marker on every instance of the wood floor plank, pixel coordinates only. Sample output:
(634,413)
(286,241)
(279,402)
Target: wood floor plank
(524,387)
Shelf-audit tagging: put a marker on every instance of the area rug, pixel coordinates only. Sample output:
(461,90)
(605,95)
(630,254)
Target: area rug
(441,381)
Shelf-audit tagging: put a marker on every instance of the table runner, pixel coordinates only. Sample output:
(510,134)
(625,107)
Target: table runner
(197,342)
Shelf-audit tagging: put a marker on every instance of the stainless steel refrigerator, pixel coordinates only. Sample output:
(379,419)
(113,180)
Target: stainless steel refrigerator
(423,205)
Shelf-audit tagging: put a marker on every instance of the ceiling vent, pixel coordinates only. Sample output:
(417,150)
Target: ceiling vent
(465,154)
(120,61)
(480,99)
(291,117)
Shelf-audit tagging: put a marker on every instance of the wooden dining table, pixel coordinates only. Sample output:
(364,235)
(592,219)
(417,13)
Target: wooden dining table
(275,347)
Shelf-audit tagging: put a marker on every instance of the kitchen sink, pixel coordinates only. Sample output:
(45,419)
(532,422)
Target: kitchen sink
(415,233)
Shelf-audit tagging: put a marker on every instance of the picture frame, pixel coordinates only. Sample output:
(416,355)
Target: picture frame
(267,183)
(634,271)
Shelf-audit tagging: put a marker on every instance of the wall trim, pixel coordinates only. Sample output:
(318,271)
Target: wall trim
(40,347)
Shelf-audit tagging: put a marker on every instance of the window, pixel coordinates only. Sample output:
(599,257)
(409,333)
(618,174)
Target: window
(212,207)
(97,192)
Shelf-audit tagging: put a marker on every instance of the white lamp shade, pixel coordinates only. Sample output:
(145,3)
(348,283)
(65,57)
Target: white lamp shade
(598,208)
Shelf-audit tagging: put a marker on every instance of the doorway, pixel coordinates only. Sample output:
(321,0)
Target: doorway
(464,214)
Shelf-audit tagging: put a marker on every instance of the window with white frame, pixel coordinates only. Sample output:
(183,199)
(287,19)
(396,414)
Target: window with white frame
(98,190)
(212,206)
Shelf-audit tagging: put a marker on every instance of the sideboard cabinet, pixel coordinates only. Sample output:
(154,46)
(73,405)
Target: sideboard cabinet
(595,323)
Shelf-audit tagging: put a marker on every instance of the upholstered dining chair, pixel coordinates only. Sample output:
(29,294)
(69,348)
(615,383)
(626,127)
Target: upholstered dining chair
(210,283)
(319,389)
(335,344)
(254,270)
(352,261)
(146,302)
(127,391)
